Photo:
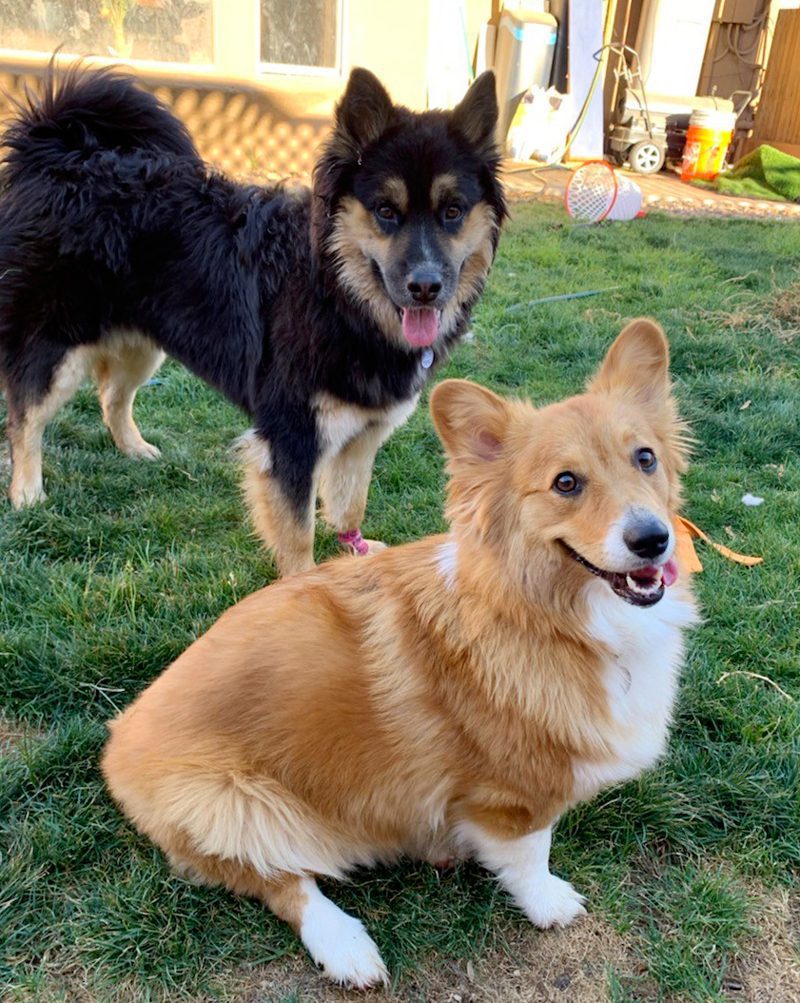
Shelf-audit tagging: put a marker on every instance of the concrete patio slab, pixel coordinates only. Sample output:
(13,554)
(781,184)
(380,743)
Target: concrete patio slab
(663,191)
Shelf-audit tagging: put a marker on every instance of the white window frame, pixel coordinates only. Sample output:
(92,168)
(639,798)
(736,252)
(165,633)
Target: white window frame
(63,55)
(234,23)
(299,69)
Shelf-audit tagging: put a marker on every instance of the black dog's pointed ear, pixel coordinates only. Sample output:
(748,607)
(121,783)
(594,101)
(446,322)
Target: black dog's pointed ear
(475,116)
(364,111)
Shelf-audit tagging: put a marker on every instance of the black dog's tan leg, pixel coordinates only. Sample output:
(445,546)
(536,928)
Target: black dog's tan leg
(344,486)
(120,369)
(26,424)
(276,522)
(284,525)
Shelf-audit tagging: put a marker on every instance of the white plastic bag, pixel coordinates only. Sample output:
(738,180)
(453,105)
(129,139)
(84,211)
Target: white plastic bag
(540,125)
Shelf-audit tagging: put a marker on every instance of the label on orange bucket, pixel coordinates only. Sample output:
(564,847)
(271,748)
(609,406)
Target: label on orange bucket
(704,153)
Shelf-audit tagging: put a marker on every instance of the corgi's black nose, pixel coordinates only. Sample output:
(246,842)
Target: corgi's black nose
(424,284)
(647,538)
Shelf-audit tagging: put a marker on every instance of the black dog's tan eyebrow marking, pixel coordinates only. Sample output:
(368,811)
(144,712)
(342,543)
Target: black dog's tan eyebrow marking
(444,187)
(394,191)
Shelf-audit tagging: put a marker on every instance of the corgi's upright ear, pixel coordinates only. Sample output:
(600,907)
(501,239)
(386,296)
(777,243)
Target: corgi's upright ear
(471,421)
(637,365)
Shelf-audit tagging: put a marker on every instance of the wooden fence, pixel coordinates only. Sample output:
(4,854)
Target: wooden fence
(777,120)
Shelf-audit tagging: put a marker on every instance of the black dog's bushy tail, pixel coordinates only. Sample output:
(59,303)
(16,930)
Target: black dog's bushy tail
(81,111)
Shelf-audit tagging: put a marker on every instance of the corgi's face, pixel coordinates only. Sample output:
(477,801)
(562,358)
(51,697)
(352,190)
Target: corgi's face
(591,483)
(596,480)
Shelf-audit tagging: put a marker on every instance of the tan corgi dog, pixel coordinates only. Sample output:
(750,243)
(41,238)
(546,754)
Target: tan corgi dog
(450,697)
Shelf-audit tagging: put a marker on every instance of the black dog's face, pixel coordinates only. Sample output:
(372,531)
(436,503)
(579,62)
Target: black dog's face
(415,207)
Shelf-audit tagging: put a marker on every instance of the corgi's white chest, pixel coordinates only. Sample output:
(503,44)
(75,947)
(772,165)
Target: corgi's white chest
(641,679)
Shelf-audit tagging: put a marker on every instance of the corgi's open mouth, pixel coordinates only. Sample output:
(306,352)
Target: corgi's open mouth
(642,587)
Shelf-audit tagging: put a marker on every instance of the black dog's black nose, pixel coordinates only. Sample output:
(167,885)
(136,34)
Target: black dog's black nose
(424,284)
(647,538)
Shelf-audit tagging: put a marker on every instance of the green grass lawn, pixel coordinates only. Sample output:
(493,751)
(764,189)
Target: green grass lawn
(107,582)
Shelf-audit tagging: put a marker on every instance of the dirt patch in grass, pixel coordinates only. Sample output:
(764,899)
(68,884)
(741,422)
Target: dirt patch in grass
(11,734)
(5,465)
(559,966)
(769,970)
(563,966)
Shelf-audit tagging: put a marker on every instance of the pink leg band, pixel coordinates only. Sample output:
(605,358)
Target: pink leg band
(355,541)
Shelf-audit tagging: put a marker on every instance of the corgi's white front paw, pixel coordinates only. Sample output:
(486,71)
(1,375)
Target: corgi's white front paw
(553,902)
(341,946)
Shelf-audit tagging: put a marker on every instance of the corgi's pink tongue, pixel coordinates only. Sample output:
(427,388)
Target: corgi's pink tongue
(668,572)
(420,326)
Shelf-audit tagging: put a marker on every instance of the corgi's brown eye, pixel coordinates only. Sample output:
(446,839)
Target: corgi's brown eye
(385,211)
(567,483)
(452,213)
(645,459)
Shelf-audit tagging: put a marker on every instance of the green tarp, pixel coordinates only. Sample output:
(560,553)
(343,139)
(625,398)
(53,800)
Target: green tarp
(765,173)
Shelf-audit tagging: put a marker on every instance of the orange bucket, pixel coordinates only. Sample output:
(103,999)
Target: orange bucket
(707,142)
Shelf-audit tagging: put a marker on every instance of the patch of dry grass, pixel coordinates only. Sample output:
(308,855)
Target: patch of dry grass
(784,305)
(769,969)
(776,313)
(11,734)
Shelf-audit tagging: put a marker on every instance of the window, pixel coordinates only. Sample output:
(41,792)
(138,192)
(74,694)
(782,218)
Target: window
(300,33)
(164,30)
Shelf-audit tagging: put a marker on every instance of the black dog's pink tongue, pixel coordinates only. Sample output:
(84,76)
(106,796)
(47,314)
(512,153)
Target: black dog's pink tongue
(420,326)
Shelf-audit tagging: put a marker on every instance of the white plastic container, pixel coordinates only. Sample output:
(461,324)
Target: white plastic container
(526,43)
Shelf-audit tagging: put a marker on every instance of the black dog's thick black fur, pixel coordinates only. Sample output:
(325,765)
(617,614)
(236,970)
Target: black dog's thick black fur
(110,220)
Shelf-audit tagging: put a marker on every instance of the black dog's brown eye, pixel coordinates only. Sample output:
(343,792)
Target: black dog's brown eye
(567,483)
(645,459)
(452,213)
(385,211)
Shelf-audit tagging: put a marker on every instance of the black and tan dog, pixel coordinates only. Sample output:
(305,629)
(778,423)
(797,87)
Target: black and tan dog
(320,313)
